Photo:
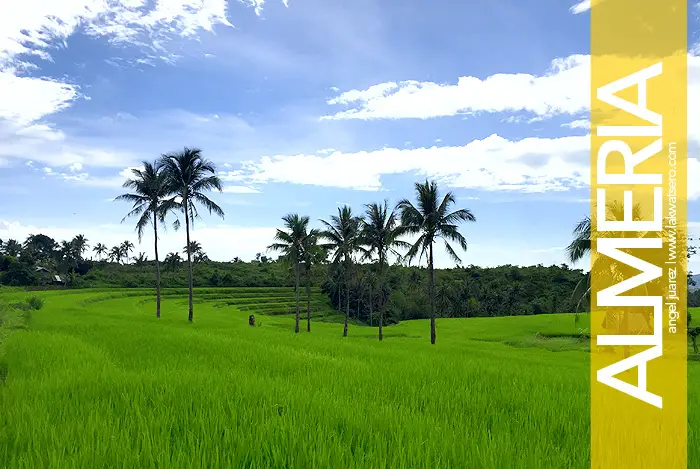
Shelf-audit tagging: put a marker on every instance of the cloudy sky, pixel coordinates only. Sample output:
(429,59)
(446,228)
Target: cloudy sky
(303,105)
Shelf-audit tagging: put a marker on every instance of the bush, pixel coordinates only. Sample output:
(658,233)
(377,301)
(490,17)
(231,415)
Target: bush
(35,303)
(19,275)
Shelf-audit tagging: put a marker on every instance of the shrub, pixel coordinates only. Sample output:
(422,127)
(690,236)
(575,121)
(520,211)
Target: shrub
(35,303)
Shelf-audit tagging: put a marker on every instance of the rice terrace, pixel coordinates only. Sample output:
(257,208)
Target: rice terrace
(96,381)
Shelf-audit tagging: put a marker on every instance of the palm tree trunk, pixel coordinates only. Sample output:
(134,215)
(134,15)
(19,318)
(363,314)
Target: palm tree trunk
(296,285)
(155,231)
(381,299)
(190,315)
(347,299)
(308,298)
(369,299)
(431,294)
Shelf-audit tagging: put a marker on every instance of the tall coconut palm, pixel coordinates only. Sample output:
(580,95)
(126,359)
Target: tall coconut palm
(126,248)
(343,234)
(380,233)
(115,254)
(189,177)
(290,244)
(432,220)
(150,206)
(67,253)
(312,254)
(581,247)
(581,244)
(198,254)
(80,245)
(100,249)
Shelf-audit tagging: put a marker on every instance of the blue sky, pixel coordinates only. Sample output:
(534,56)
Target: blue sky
(303,105)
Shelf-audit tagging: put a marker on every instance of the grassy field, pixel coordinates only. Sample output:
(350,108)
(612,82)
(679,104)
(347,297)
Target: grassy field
(96,381)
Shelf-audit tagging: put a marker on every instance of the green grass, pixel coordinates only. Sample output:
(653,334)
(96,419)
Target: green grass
(96,381)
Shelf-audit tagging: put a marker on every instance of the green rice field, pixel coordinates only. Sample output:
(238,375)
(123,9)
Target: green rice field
(94,380)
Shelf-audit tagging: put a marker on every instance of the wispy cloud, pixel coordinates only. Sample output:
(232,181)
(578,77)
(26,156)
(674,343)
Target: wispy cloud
(561,90)
(494,163)
(578,124)
(583,6)
(241,190)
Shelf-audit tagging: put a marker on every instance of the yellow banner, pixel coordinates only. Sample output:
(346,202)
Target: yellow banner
(638,234)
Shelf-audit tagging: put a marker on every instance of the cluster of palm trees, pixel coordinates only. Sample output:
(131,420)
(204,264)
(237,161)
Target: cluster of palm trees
(119,253)
(374,237)
(176,184)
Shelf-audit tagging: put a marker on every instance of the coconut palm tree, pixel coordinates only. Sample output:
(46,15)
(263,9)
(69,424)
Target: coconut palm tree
(141,260)
(312,253)
(150,206)
(80,245)
(343,234)
(290,244)
(189,177)
(335,283)
(172,261)
(12,248)
(198,254)
(581,247)
(380,233)
(126,248)
(432,220)
(115,254)
(100,249)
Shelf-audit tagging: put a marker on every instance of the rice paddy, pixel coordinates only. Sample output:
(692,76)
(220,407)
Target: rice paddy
(95,380)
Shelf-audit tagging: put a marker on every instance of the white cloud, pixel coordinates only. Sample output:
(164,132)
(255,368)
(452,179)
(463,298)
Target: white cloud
(578,124)
(257,4)
(581,7)
(562,90)
(241,190)
(84,178)
(24,99)
(33,27)
(494,163)
(42,143)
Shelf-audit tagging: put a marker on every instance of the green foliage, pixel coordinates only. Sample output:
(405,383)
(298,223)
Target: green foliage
(34,302)
(5,262)
(469,291)
(19,274)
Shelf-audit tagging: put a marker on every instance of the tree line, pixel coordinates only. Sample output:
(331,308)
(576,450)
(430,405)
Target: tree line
(361,256)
